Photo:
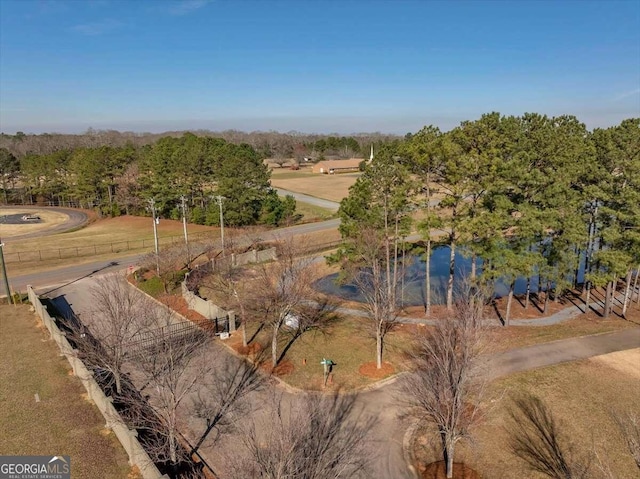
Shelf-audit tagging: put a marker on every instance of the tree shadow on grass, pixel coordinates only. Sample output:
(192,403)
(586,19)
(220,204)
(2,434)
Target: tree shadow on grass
(317,316)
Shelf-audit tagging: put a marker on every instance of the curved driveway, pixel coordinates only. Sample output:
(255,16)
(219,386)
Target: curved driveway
(75,219)
(385,403)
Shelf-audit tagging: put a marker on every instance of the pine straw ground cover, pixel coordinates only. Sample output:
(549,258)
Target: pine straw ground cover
(505,338)
(580,395)
(63,422)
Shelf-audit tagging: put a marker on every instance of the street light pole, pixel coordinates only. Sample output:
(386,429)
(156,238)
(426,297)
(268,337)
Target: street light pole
(183,204)
(4,274)
(220,198)
(152,207)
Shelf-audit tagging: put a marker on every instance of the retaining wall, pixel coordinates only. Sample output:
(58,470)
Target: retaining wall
(128,438)
(253,256)
(206,308)
(210,310)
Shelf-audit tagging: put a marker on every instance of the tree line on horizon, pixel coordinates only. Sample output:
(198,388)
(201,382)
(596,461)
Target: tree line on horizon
(117,173)
(529,195)
(268,144)
(122,180)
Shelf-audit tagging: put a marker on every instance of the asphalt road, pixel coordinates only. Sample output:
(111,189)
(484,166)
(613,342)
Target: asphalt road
(385,403)
(45,281)
(76,219)
(562,351)
(382,403)
(73,272)
(312,200)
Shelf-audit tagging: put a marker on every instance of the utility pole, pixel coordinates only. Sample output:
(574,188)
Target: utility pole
(220,198)
(4,273)
(152,207)
(183,204)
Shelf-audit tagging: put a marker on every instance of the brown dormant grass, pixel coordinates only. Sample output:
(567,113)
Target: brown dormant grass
(580,394)
(63,422)
(49,219)
(98,237)
(328,187)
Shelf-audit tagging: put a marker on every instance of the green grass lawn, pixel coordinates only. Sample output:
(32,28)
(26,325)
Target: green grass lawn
(348,343)
(63,422)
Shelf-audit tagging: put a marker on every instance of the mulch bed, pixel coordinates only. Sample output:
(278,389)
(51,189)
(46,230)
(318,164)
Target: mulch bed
(179,305)
(252,349)
(282,369)
(371,370)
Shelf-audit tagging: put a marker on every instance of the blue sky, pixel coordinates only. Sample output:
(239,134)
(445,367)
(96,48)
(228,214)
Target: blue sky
(312,66)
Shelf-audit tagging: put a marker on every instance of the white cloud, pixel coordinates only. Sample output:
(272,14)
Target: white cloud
(184,7)
(97,28)
(628,94)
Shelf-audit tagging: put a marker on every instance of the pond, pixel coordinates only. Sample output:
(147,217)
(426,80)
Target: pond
(412,289)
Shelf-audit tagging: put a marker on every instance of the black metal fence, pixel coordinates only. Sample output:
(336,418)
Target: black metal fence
(96,249)
(181,331)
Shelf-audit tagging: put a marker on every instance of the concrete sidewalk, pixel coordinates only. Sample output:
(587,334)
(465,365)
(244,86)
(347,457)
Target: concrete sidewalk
(562,351)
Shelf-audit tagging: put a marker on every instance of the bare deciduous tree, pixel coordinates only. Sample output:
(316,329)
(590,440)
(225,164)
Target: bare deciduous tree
(446,386)
(231,286)
(119,314)
(128,189)
(284,289)
(173,371)
(169,260)
(377,278)
(319,437)
(168,370)
(538,439)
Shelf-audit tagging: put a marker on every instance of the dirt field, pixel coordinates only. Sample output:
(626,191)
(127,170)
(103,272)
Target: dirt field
(328,187)
(62,422)
(49,219)
(581,395)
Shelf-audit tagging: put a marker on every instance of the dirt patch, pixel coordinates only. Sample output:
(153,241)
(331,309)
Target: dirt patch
(371,370)
(438,470)
(627,362)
